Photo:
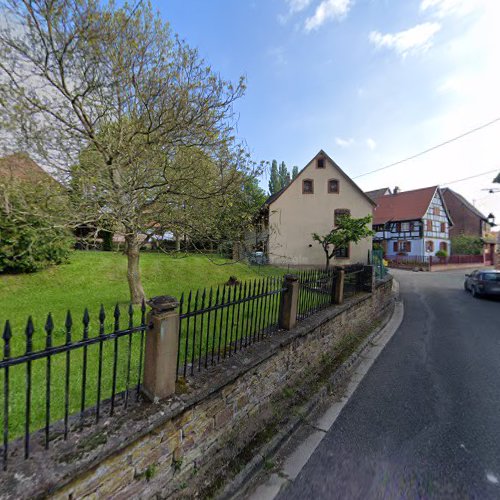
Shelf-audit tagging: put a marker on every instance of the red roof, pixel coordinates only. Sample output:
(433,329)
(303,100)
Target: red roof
(408,205)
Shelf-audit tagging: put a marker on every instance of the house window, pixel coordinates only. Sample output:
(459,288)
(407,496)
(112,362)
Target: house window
(398,227)
(307,186)
(429,225)
(443,227)
(333,186)
(340,212)
(320,163)
(402,246)
(443,246)
(342,252)
(435,210)
(429,246)
(405,226)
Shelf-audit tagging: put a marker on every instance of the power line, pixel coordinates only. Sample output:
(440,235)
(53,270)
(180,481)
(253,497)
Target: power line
(471,177)
(421,153)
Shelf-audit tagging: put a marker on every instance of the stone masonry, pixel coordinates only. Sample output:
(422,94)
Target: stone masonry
(182,446)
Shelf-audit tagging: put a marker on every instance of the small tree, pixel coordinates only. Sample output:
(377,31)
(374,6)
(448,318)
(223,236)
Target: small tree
(348,230)
(295,172)
(113,91)
(465,244)
(274,179)
(32,230)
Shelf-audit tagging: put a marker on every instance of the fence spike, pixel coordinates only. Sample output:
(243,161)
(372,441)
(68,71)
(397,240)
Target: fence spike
(68,324)
(49,328)
(29,335)
(7,335)
(130,315)
(116,315)
(86,318)
(102,317)
(102,314)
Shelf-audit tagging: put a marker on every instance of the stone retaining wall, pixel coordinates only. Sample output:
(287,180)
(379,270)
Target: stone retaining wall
(184,446)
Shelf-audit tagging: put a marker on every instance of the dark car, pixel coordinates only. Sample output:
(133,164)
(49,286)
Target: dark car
(483,282)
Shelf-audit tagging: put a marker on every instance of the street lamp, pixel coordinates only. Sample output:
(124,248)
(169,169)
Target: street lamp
(491,219)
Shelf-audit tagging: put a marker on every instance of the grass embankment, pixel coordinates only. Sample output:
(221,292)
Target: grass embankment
(89,280)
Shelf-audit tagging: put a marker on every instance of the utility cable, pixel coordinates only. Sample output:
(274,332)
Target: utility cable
(471,177)
(428,150)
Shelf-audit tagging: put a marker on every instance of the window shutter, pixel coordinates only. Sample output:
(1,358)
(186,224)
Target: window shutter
(407,246)
(395,246)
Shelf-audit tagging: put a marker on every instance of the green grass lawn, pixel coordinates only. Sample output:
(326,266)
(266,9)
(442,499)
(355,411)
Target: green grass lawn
(89,280)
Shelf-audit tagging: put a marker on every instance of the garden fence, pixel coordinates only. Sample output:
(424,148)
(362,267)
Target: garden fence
(59,378)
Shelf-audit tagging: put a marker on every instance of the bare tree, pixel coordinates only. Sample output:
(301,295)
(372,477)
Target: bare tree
(111,100)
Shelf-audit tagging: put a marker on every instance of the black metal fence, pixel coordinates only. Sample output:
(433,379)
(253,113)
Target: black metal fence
(57,376)
(48,376)
(216,323)
(355,280)
(316,289)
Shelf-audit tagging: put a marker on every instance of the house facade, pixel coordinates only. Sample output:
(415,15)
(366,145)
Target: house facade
(412,223)
(311,203)
(467,219)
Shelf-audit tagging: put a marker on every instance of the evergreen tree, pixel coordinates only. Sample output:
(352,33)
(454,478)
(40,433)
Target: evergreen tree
(295,172)
(284,176)
(274,180)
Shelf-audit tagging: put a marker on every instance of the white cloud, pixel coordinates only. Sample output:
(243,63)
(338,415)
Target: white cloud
(416,39)
(295,6)
(328,10)
(344,143)
(371,143)
(443,8)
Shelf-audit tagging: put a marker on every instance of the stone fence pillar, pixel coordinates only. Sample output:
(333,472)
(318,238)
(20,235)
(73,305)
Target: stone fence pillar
(369,278)
(289,303)
(338,297)
(160,357)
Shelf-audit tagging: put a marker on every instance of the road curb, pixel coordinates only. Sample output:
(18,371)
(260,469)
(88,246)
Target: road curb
(234,487)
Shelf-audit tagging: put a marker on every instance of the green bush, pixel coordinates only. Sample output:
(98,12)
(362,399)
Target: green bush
(28,246)
(32,226)
(464,244)
(441,253)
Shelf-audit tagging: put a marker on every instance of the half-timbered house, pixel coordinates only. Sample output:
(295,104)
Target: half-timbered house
(413,223)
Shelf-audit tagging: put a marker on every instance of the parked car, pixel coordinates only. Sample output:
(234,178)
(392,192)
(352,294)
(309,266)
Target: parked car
(483,282)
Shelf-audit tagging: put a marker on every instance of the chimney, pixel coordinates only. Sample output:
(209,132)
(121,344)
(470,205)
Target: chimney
(396,190)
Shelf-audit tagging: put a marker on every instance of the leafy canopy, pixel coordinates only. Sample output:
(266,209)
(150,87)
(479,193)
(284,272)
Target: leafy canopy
(347,230)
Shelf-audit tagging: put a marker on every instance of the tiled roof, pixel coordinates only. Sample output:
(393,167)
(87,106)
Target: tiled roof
(377,193)
(408,205)
(466,203)
(20,166)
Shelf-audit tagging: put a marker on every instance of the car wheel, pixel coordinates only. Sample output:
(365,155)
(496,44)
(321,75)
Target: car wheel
(465,287)
(474,292)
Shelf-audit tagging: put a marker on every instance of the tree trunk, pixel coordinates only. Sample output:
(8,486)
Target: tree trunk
(177,243)
(327,260)
(133,269)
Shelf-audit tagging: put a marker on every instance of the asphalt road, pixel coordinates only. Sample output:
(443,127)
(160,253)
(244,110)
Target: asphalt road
(425,421)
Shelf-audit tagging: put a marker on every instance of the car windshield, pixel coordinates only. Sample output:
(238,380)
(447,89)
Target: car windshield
(491,277)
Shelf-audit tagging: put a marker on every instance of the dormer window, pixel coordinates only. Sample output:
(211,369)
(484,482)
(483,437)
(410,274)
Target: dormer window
(320,163)
(307,186)
(333,186)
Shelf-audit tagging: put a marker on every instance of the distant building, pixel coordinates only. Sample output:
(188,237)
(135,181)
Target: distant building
(310,204)
(377,193)
(467,219)
(20,167)
(412,223)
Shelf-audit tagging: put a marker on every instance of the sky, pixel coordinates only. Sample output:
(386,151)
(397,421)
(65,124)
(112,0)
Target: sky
(370,82)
